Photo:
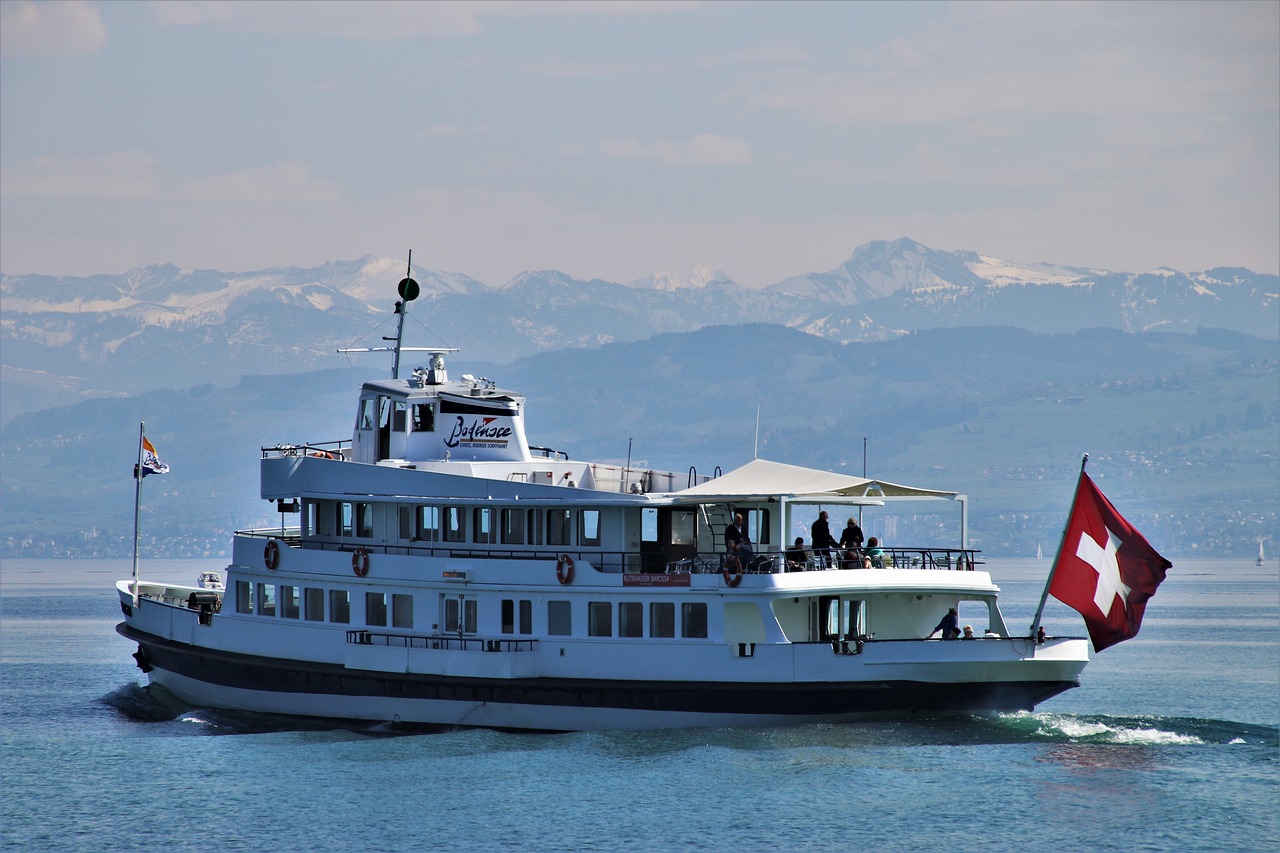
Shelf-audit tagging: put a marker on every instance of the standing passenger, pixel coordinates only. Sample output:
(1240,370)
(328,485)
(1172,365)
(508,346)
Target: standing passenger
(820,538)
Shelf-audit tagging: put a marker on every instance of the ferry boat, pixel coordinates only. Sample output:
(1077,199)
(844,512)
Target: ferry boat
(436,568)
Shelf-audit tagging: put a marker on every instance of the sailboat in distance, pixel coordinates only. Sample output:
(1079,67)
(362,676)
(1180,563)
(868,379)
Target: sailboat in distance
(1262,558)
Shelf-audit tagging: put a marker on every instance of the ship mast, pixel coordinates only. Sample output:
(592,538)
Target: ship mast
(408,290)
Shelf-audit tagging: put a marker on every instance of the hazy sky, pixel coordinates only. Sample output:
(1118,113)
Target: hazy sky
(615,139)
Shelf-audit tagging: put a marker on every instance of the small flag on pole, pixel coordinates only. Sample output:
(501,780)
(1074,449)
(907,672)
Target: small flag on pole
(151,463)
(1105,569)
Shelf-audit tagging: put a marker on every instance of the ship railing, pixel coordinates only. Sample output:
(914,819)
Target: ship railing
(319,450)
(439,642)
(950,559)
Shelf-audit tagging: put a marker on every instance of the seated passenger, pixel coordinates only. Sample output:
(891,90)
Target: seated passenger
(797,556)
(873,557)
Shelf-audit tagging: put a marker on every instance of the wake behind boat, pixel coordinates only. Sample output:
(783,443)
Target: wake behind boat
(445,571)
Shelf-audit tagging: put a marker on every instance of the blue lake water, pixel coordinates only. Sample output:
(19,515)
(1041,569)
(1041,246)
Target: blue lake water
(1171,744)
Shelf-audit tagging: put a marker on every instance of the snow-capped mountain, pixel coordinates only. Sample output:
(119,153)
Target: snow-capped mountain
(161,326)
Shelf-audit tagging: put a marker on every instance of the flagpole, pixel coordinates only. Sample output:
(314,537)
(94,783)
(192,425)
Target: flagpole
(137,502)
(1062,543)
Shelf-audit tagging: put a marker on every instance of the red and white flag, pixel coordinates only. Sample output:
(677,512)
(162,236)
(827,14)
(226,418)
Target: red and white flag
(1106,569)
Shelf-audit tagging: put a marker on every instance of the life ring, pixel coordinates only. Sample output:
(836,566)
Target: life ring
(564,569)
(271,554)
(732,571)
(360,562)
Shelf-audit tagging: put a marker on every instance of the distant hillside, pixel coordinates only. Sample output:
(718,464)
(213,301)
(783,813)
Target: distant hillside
(1183,430)
(75,338)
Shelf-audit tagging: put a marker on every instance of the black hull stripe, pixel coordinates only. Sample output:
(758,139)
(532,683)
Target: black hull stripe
(251,672)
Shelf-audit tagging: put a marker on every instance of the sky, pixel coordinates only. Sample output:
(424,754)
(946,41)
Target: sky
(616,139)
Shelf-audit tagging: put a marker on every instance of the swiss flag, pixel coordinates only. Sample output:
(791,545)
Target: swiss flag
(1105,569)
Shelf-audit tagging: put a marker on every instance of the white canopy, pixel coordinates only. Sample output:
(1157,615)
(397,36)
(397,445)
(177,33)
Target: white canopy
(762,478)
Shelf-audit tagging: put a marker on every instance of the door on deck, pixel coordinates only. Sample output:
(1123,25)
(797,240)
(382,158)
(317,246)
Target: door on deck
(666,536)
(457,614)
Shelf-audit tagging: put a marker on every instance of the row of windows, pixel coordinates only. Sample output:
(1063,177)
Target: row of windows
(461,614)
(535,526)
(291,602)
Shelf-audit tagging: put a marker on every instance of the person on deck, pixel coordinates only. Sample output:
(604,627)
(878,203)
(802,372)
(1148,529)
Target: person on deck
(851,544)
(949,626)
(797,556)
(820,538)
(873,557)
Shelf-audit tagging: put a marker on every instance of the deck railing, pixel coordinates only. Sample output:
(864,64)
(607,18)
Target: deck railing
(439,642)
(630,562)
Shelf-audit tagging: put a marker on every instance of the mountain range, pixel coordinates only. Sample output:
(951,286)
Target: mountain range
(75,338)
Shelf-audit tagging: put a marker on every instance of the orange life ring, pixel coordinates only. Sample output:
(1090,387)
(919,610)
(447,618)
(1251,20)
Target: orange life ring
(360,562)
(271,554)
(564,569)
(732,571)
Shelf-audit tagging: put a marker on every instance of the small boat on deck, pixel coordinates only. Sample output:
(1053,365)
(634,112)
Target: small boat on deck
(437,568)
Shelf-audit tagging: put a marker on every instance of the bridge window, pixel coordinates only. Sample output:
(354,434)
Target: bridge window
(424,417)
(536,526)
(342,519)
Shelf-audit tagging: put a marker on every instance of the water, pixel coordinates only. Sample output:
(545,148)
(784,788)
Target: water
(1171,743)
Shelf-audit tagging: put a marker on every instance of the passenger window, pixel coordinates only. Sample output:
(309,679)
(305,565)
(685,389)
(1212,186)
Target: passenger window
(559,619)
(339,605)
(559,527)
(244,597)
(693,620)
(513,527)
(266,599)
(289,602)
(313,604)
(402,611)
(589,530)
(600,619)
(631,619)
(364,521)
(375,609)
(662,619)
(454,524)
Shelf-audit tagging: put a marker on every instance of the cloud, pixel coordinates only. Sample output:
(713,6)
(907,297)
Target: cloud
(381,19)
(71,28)
(445,129)
(705,149)
(132,175)
(289,181)
(115,175)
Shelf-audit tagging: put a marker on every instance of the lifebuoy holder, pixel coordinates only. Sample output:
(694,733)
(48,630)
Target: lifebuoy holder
(732,571)
(360,562)
(271,554)
(564,569)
